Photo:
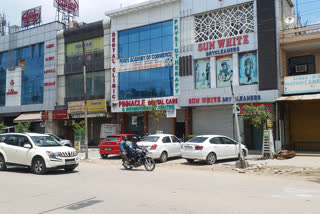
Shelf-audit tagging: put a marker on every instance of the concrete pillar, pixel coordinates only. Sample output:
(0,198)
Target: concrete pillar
(145,122)
(188,121)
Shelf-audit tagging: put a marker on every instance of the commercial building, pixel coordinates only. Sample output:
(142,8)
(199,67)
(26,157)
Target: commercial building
(300,87)
(28,74)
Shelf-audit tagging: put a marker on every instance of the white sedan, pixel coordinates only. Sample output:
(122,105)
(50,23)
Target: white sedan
(161,146)
(210,148)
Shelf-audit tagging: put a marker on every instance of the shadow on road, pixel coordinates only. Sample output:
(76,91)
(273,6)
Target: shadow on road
(201,163)
(24,170)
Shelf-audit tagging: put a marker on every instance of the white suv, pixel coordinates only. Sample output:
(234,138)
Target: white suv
(37,151)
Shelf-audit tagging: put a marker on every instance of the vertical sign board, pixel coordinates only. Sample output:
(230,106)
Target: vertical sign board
(114,75)
(69,6)
(31,17)
(13,87)
(176,50)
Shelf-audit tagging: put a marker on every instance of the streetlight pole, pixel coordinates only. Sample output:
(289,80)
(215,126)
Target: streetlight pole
(241,158)
(84,93)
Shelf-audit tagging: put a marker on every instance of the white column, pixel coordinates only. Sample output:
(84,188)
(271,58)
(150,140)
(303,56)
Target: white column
(235,69)
(213,73)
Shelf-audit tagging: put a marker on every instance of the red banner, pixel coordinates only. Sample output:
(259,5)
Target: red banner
(60,115)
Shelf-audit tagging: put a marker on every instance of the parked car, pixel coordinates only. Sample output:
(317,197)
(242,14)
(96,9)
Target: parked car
(161,146)
(111,144)
(210,148)
(63,142)
(39,152)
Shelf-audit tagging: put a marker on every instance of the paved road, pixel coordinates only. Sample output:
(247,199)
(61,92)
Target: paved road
(102,186)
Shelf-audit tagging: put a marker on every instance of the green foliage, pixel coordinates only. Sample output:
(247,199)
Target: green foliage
(2,126)
(191,136)
(256,115)
(23,127)
(155,114)
(79,128)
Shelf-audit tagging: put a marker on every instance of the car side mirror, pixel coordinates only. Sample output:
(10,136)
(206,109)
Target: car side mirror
(27,146)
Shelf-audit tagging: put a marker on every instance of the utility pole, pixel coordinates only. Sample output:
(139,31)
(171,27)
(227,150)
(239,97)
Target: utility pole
(84,92)
(235,112)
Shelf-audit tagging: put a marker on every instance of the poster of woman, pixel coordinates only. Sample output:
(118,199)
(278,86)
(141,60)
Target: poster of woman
(224,70)
(248,68)
(202,71)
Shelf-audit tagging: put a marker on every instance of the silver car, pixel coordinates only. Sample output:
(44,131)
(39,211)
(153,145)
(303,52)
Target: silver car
(63,142)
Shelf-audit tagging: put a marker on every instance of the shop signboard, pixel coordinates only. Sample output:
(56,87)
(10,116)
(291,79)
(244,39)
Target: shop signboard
(31,17)
(98,105)
(114,71)
(248,69)
(148,61)
(302,84)
(176,56)
(224,70)
(60,115)
(76,107)
(13,87)
(69,6)
(214,100)
(109,129)
(171,113)
(267,107)
(202,72)
(169,103)
(44,115)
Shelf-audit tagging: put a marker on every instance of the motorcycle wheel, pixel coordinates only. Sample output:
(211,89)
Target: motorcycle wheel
(126,166)
(149,164)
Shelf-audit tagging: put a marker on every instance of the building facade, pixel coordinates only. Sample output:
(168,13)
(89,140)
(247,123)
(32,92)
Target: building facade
(28,74)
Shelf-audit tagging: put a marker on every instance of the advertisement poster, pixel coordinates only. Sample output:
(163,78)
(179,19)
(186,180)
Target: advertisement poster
(69,6)
(31,17)
(248,69)
(202,71)
(224,71)
(109,129)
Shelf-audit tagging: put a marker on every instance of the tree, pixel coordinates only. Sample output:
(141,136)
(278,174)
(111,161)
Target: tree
(23,127)
(256,115)
(79,128)
(2,126)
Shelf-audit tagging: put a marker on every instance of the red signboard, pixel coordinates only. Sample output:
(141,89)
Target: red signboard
(31,17)
(49,71)
(60,115)
(50,46)
(49,83)
(267,107)
(50,58)
(69,6)
(44,115)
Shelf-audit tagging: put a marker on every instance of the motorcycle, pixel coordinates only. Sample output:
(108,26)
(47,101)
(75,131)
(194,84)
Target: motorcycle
(143,159)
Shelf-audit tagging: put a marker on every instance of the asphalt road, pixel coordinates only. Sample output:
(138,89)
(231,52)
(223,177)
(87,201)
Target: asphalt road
(102,186)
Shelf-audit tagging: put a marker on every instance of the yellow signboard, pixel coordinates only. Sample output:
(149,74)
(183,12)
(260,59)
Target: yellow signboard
(91,45)
(97,105)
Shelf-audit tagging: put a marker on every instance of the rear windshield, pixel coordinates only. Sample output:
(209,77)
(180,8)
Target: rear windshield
(150,139)
(112,138)
(197,140)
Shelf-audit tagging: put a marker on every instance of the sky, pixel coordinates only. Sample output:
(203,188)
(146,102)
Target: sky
(93,10)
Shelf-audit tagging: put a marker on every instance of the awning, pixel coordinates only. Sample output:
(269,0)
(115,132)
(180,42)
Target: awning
(28,117)
(300,97)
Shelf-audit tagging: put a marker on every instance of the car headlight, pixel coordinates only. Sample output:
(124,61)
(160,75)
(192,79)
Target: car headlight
(51,154)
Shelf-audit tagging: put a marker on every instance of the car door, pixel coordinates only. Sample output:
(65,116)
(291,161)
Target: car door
(230,146)
(168,145)
(176,144)
(10,148)
(217,146)
(23,155)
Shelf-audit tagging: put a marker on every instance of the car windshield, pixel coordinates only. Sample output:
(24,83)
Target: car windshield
(45,141)
(55,137)
(197,140)
(112,138)
(150,139)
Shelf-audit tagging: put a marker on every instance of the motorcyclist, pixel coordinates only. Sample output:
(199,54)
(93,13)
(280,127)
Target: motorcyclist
(124,147)
(134,149)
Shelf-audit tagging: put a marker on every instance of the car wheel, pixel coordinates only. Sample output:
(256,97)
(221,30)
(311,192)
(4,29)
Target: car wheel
(3,165)
(211,158)
(39,166)
(190,160)
(163,157)
(69,168)
(104,156)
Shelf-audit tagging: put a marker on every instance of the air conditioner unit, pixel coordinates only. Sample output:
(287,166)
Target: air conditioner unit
(301,68)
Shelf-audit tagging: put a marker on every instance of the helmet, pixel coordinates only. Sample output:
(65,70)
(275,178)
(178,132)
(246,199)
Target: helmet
(124,137)
(134,139)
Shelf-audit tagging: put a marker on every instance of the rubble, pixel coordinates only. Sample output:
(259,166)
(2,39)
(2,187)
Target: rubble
(284,154)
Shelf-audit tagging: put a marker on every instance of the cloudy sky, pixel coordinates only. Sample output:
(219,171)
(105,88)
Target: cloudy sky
(90,10)
(93,10)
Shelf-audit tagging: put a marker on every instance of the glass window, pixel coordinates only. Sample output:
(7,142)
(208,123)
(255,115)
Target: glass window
(112,138)
(11,140)
(227,141)
(45,141)
(145,40)
(150,139)
(175,139)
(157,82)
(197,140)
(22,140)
(216,141)
(166,140)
